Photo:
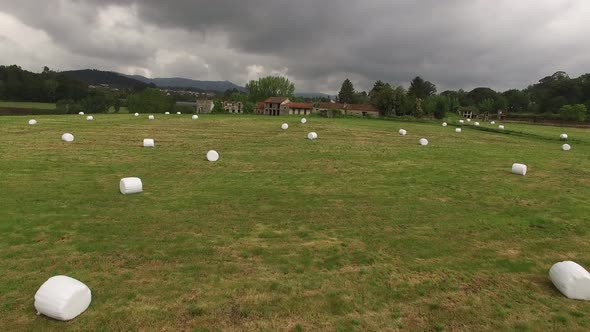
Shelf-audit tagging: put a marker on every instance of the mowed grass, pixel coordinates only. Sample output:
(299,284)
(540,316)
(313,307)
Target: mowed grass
(28,105)
(361,229)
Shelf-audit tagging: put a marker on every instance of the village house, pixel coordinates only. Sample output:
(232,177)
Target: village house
(233,107)
(259,109)
(276,106)
(299,108)
(204,106)
(364,110)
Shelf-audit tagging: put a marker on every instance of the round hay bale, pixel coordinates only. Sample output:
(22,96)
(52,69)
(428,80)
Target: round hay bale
(403,132)
(284,126)
(566,147)
(212,155)
(151,117)
(476,124)
(563,136)
(136,114)
(62,298)
(493,122)
(130,185)
(303,120)
(457,130)
(179,113)
(312,135)
(571,279)
(32,122)
(67,137)
(468,120)
(149,143)
(89,118)
(167,113)
(423,141)
(80,113)
(501,126)
(444,124)
(519,169)
(461,121)
(195,117)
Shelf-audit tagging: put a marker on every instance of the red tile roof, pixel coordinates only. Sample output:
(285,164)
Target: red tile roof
(300,105)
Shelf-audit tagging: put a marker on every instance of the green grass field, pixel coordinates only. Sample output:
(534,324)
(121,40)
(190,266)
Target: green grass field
(28,105)
(361,229)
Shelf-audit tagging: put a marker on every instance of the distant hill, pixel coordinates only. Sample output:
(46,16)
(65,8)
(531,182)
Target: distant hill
(178,82)
(97,77)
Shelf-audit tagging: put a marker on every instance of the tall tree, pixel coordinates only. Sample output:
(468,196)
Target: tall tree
(346,94)
(420,88)
(270,86)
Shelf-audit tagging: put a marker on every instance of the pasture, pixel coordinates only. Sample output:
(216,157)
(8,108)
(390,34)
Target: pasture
(361,229)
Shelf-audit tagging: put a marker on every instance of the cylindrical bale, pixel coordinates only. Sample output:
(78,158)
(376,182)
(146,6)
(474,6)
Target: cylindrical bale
(67,137)
(32,122)
(476,123)
(303,120)
(493,122)
(566,147)
(80,113)
(461,121)
(179,113)
(151,117)
(423,141)
(131,185)
(571,279)
(501,126)
(136,114)
(149,143)
(444,124)
(312,135)
(195,117)
(403,132)
(62,298)
(457,130)
(212,155)
(563,136)
(284,126)
(89,118)
(167,113)
(519,169)
(468,120)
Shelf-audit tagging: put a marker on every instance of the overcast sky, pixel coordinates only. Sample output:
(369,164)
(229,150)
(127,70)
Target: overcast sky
(316,43)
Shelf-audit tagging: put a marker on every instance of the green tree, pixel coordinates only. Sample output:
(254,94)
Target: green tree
(346,94)
(217,107)
(150,100)
(270,86)
(487,105)
(516,100)
(420,88)
(575,112)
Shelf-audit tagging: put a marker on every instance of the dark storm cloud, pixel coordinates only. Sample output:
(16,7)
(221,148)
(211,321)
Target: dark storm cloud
(455,44)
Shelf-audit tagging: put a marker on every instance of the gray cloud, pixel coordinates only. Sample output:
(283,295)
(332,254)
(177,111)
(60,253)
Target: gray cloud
(455,44)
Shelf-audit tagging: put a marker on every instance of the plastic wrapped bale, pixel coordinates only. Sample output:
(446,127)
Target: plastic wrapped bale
(457,130)
(167,113)
(468,120)
(423,141)
(136,114)
(501,126)
(519,169)
(80,113)
(476,123)
(195,117)
(151,117)
(444,124)
(62,298)
(461,121)
(67,137)
(130,185)
(566,147)
(493,122)
(148,143)
(403,132)
(571,279)
(563,136)
(89,118)
(312,135)
(212,155)
(303,121)
(179,113)
(32,122)
(284,126)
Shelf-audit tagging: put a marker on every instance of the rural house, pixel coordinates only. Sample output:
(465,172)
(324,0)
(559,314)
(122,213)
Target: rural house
(363,110)
(204,106)
(276,106)
(259,109)
(233,107)
(300,108)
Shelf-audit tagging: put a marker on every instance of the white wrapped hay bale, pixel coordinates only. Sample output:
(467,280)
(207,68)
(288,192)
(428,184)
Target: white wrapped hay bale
(212,155)
(461,121)
(195,117)
(303,120)
(519,169)
(312,135)
(284,126)
(89,118)
(136,114)
(566,147)
(62,298)
(148,143)
(423,141)
(563,136)
(476,124)
(151,117)
(167,113)
(178,113)
(493,122)
(571,279)
(501,126)
(403,132)
(67,137)
(130,185)
(32,122)
(80,113)
(444,124)
(468,120)
(457,130)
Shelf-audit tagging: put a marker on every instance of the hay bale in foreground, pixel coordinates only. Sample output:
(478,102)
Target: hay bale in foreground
(195,117)
(284,126)
(32,122)
(444,124)
(457,130)
(151,117)
(167,113)
(566,147)
(136,114)
(67,137)
(493,122)
(80,113)
(563,136)
(402,132)
(312,135)
(423,141)
(501,127)
(571,279)
(131,185)
(62,298)
(212,155)
(461,121)
(303,120)
(148,143)
(476,124)
(89,118)
(519,169)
